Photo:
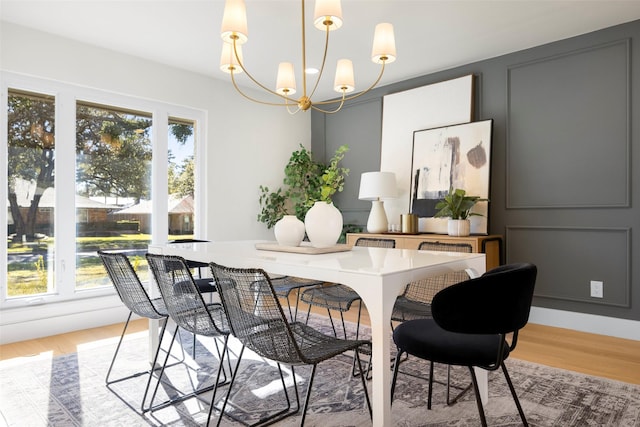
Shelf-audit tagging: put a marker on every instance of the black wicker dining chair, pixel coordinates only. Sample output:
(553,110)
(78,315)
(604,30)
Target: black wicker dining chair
(285,286)
(475,324)
(338,297)
(415,301)
(274,337)
(135,297)
(187,308)
(205,284)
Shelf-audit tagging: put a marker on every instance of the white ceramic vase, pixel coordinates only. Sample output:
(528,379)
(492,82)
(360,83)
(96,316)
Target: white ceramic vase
(459,227)
(323,223)
(289,231)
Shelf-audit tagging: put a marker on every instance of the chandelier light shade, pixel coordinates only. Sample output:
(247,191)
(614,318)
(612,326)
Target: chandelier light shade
(344,80)
(375,186)
(234,22)
(384,44)
(327,17)
(228,61)
(286,80)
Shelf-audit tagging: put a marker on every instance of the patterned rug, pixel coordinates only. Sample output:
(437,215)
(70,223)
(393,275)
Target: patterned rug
(69,390)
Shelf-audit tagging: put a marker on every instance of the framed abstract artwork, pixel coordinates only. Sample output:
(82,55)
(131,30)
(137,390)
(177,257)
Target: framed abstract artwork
(450,157)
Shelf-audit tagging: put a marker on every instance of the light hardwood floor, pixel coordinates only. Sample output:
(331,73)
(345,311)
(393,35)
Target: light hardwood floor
(598,355)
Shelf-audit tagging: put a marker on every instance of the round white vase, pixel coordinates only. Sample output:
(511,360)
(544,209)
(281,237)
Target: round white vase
(459,227)
(323,223)
(289,231)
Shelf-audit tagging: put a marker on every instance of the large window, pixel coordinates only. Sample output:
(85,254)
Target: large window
(31,171)
(79,179)
(113,186)
(181,178)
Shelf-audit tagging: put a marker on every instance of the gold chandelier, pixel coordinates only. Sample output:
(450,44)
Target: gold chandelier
(327,17)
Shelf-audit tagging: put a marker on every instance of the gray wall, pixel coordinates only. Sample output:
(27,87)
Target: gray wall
(566,137)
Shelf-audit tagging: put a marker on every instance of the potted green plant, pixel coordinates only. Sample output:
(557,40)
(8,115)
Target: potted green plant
(457,207)
(306,182)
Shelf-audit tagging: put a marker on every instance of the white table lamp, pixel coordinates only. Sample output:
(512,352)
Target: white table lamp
(375,186)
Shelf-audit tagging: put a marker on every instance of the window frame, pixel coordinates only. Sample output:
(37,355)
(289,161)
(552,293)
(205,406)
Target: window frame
(66,96)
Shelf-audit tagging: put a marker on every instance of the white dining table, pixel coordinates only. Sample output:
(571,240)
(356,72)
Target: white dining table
(378,275)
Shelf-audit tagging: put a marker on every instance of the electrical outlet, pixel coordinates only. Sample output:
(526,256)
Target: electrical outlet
(597,289)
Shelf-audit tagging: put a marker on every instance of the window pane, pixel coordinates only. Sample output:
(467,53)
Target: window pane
(113,187)
(31,194)
(181,178)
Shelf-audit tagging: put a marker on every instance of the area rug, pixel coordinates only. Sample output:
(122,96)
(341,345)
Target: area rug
(69,390)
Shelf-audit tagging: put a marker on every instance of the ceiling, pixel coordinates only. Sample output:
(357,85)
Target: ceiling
(430,35)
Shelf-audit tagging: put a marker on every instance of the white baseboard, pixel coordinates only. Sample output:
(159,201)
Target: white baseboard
(20,324)
(601,325)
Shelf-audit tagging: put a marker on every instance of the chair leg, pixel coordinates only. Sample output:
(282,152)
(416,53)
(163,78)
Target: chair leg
(474,380)
(513,393)
(306,399)
(459,395)
(155,391)
(430,393)
(217,383)
(226,398)
(115,354)
(396,366)
(364,384)
(153,365)
(272,418)
(149,372)
(181,397)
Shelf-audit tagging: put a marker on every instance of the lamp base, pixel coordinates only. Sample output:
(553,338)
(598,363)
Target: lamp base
(377,222)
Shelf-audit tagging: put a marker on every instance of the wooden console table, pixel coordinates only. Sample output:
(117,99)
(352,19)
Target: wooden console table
(490,245)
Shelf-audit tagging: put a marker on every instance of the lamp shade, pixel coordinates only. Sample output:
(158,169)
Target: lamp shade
(384,44)
(344,81)
(228,60)
(327,12)
(377,185)
(286,79)
(234,22)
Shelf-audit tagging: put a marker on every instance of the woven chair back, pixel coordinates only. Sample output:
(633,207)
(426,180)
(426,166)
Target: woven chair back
(255,315)
(183,299)
(375,242)
(424,290)
(130,290)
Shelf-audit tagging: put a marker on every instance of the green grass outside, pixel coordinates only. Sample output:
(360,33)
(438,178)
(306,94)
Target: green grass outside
(31,277)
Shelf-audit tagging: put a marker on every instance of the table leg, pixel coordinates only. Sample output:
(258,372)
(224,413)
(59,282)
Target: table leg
(154,328)
(482,375)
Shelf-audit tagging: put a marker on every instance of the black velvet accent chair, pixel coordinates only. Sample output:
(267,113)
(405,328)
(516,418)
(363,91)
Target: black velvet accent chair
(475,324)
(257,320)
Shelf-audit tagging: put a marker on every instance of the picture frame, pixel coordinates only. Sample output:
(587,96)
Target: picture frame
(450,157)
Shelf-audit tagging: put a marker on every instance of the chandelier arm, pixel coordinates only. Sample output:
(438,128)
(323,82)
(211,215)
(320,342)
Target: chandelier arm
(235,51)
(324,60)
(235,85)
(356,95)
(330,111)
(289,110)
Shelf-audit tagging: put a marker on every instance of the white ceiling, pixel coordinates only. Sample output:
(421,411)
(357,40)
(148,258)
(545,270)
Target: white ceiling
(430,35)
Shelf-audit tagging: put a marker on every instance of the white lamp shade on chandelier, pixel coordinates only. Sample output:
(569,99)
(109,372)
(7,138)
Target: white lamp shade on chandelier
(327,18)
(375,186)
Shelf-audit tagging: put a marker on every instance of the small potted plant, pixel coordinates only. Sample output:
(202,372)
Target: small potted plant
(457,207)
